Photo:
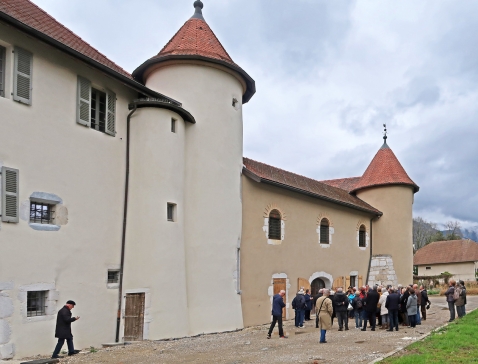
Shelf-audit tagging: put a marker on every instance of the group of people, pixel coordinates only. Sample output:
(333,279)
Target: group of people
(390,306)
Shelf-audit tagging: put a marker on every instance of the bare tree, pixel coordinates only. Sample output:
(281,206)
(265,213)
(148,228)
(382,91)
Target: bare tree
(424,232)
(453,230)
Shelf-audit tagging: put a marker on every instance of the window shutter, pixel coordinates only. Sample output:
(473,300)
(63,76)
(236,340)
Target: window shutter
(110,113)
(2,71)
(22,77)
(83,114)
(10,196)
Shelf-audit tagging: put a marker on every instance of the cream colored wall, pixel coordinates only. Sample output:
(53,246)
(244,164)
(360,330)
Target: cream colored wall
(212,210)
(464,271)
(86,169)
(155,254)
(392,233)
(299,255)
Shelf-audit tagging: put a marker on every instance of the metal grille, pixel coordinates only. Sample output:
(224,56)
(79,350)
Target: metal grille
(113,276)
(36,303)
(40,213)
(98,110)
(275,225)
(324,231)
(362,235)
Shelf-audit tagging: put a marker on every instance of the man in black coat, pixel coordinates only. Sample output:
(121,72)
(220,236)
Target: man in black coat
(392,304)
(341,303)
(371,302)
(63,330)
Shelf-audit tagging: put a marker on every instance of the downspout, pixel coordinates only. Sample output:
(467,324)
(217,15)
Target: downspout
(370,260)
(125,215)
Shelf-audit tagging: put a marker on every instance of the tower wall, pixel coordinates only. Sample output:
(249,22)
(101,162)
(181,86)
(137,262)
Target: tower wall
(155,253)
(212,190)
(393,232)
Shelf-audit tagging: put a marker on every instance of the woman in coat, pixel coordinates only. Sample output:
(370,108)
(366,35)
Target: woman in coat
(383,309)
(461,301)
(325,310)
(412,307)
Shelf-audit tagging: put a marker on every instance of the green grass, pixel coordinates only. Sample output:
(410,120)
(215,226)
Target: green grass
(456,343)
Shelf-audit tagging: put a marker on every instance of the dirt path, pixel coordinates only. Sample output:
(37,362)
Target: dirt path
(251,346)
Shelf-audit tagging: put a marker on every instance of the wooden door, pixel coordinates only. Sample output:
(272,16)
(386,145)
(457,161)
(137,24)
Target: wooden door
(303,283)
(279,285)
(134,317)
(338,282)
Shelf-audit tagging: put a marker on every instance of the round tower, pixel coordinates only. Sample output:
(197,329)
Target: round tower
(386,186)
(195,69)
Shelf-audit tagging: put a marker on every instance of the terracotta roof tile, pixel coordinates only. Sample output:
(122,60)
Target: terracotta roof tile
(385,169)
(346,184)
(301,184)
(195,38)
(31,15)
(453,251)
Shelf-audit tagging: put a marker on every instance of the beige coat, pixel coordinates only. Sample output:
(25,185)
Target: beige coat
(325,314)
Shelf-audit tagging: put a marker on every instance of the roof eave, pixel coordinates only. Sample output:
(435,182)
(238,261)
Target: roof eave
(259,179)
(415,187)
(163,104)
(138,73)
(70,51)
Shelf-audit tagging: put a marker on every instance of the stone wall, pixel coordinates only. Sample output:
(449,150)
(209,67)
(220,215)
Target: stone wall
(382,271)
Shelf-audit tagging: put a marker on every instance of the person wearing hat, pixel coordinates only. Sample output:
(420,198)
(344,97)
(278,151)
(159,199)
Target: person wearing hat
(63,330)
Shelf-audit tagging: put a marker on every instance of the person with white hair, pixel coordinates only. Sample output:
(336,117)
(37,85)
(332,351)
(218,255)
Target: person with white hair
(325,311)
(341,304)
(277,307)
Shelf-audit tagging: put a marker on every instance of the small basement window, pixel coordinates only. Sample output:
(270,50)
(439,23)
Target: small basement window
(428,267)
(113,276)
(36,303)
(41,213)
(173,125)
(171,212)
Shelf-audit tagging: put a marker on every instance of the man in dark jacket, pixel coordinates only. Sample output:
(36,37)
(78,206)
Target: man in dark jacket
(403,306)
(298,304)
(308,305)
(424,301)
(63,329)
(341,302)
(277,306)
(392,304)
(371,302)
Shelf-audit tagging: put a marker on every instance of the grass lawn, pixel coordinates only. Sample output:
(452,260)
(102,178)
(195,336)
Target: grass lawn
(456,343)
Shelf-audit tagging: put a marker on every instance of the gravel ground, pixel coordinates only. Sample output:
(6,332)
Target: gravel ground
(251,346)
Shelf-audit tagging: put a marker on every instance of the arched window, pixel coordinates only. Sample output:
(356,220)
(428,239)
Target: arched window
(324,231)
(274,225)
(362,236)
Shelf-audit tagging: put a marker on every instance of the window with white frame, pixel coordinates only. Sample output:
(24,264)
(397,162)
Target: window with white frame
(36,303)
(96,108)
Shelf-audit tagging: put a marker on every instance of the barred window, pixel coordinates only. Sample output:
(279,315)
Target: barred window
(113,276)
(324,231)
(36,303)
(275,225)
(362,236)
(40,213)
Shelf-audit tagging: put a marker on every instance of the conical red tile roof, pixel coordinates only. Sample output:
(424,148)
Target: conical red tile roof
(385,169)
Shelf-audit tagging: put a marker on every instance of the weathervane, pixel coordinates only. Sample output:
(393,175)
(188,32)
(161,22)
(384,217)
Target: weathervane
(385,133)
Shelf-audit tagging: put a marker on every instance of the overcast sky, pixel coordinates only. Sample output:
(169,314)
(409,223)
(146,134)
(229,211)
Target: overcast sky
(328,75)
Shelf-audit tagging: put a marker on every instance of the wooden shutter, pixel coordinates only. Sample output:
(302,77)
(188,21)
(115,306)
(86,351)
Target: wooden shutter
(279,285)
(10,196)
(302,282)
(83,114)
(22,77)
(3,53)
(347,283)
(360,281)
(338,282)
(110,127)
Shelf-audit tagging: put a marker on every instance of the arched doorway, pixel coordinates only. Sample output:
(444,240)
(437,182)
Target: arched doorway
(316,284)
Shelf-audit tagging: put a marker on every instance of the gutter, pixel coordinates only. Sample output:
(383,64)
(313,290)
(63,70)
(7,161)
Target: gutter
(91,62)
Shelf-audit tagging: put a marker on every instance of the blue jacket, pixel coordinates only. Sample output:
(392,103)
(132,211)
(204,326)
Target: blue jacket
(393,301)
(277,305)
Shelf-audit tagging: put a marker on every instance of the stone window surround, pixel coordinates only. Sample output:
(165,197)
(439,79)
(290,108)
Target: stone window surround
(265,228)
(326,277)
(111,285)
(331,229)
(367,236)
(51,301)
(7,348)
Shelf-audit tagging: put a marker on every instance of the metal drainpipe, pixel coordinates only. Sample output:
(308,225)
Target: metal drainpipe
(370,260)
(125,215)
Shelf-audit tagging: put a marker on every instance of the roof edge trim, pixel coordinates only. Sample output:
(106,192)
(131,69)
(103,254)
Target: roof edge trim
(160,104)
(414,186)
(72,52)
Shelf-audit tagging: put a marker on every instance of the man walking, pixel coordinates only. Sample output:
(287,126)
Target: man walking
(63,330)
(371,302)
(277,306)
(324,313)
(341,302)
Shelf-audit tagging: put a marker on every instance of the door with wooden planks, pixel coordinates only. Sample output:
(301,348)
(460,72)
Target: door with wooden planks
(303,283)
(134,317)
(339,282)
(279,285)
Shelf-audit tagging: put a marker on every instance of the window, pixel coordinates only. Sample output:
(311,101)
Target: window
(171,211)
(362,236)
(173,125)
(40,213)
(428,267)
(353,281)
(10,193)
(22,77)
(113,276)
(3,53)
(274,225)
(36,303)
(324,231)
(95,108)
